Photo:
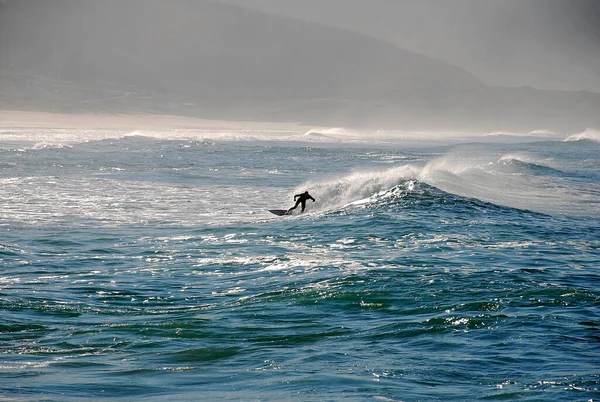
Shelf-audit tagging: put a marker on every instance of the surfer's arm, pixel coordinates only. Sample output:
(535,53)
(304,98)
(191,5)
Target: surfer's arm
(311,198)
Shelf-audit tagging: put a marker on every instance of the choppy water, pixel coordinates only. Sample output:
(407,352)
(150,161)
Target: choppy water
(146,268)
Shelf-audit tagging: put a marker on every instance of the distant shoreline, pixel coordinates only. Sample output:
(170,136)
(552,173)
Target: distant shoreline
(16,119)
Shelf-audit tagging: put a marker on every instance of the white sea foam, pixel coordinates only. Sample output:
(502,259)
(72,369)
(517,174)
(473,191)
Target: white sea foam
(36,200)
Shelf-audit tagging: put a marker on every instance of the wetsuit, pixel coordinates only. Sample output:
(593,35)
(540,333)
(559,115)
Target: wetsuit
(301,199)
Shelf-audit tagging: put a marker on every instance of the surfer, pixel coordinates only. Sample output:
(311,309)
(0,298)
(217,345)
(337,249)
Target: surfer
(302,198)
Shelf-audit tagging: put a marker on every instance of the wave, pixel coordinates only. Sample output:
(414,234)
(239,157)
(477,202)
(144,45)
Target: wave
(56,138)
(514,137)
(589,134)
(37,139)
(524,159)
(529,184)
(530,163)
(359,187)
(44,145)
(518,181)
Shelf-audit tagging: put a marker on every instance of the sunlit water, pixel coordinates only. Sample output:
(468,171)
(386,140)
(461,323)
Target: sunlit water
(138,268)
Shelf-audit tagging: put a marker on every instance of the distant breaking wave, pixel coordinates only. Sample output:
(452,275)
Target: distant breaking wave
(588,134)
(57,138)
(530,163)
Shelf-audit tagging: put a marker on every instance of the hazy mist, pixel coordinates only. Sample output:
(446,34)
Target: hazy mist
(550,44)
(480,65)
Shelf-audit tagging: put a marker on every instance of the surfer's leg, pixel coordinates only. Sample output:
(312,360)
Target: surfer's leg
(295,206)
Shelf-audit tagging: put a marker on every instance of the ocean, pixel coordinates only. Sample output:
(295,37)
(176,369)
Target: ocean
(145,266)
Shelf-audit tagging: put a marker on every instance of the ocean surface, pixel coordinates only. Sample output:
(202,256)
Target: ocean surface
(145,266)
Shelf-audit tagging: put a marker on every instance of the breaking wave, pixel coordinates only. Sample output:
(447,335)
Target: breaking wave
(511,180)
(589,134)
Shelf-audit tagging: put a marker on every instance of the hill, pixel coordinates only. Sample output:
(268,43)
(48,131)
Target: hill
(213,60)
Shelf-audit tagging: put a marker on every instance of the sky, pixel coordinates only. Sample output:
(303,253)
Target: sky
(549,44)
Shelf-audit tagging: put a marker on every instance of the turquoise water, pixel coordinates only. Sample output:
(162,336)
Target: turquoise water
(146,268)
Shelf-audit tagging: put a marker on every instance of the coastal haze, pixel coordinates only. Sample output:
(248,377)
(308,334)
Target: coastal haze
(456,66)
(550,44)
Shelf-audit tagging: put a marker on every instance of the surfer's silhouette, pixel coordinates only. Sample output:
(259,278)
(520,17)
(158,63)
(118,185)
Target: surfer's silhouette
(301,199)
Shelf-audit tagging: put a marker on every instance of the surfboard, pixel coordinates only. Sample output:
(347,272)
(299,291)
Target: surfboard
(278,212)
